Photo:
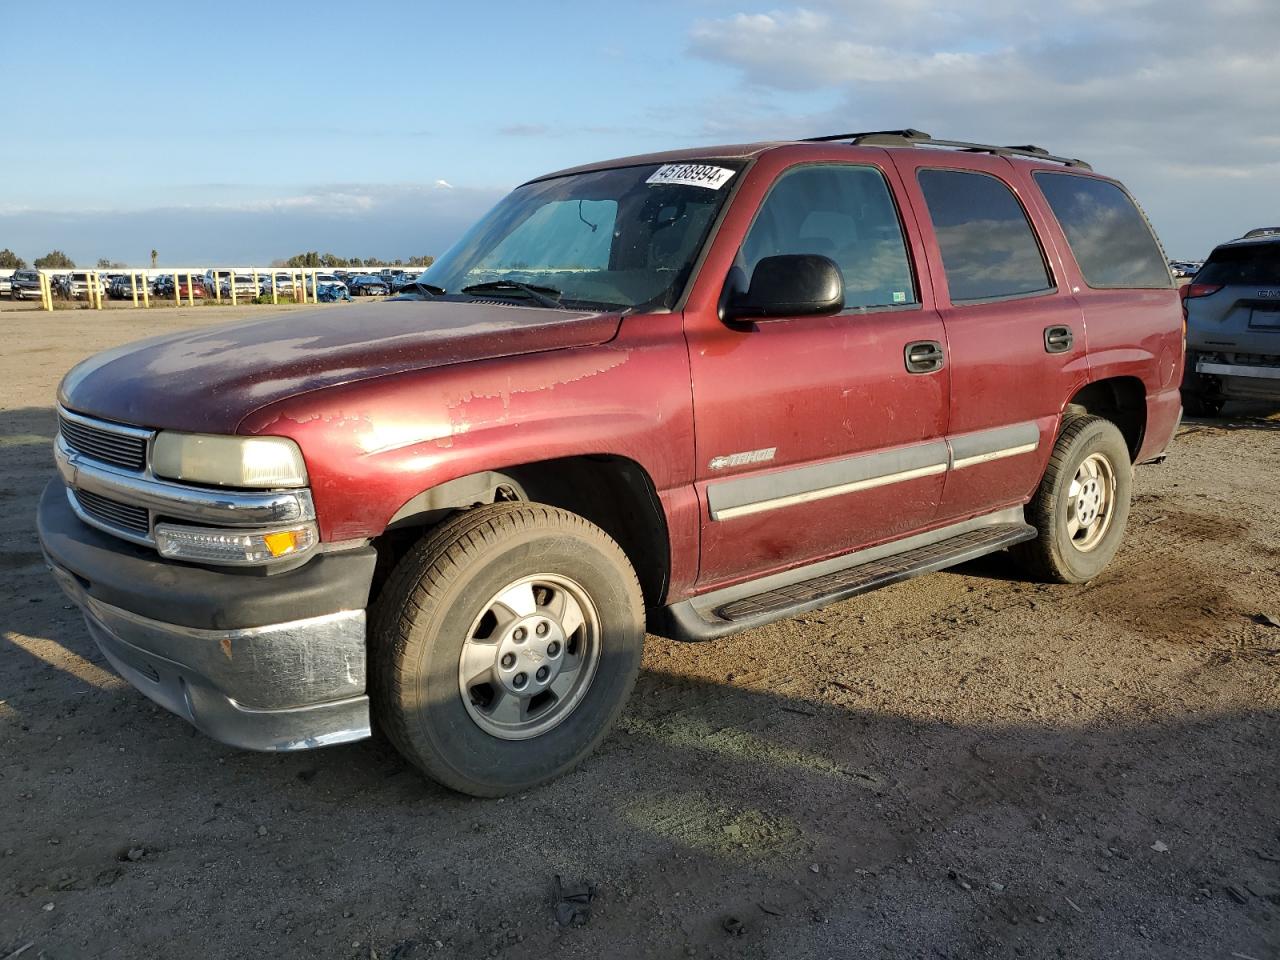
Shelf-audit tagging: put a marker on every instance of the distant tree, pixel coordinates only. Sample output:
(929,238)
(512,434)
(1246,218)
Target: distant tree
(54,260)
(11,261)
(421,261)
(105,264)
(154,258)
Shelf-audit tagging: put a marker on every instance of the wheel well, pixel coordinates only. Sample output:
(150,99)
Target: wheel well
(1122,400)
(612,492)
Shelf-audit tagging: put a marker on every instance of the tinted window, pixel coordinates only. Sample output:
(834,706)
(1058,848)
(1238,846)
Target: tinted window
(1108,235)
(1254,264)
(842,212)
(988,248)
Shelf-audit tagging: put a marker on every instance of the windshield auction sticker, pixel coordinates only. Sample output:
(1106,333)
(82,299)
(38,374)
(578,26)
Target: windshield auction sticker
(692,175)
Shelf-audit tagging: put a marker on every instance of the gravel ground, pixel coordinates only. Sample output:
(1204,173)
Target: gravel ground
(961,766)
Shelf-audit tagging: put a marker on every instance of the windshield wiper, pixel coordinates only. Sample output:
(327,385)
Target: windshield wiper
(429,289)
(546,296)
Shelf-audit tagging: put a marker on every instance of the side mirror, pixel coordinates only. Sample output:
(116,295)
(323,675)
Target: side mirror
(789,285)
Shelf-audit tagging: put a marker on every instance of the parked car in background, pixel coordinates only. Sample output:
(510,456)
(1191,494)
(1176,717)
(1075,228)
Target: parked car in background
(367,285)
(77,285)
(245,287)
(25,285)
(1182,269)
(330,279)
(6,285)
(122,287)
(1232,307)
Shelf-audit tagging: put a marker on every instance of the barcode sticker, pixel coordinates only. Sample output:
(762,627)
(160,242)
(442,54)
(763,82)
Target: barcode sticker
(691,175)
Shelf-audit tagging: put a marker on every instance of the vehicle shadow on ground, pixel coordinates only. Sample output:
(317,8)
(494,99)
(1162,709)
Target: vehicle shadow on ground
(732,812)
(818,823)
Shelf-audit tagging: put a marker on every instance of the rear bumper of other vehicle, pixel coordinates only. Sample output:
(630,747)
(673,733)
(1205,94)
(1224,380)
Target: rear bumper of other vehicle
(1239,381)
(260,662)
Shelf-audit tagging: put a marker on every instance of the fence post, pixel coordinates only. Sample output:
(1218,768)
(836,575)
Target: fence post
(46,295)
(257,284)
(97,290)
(146,291)
(231,285)
(133,287)
(275,298)
(217,287)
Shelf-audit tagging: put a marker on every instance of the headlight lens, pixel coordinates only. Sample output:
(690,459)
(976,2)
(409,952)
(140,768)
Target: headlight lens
(229,546)
(228,461)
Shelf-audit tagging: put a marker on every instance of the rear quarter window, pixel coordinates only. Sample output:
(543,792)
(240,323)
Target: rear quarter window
(1110,238)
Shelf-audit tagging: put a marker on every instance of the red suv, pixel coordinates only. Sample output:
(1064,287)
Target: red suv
(695,392)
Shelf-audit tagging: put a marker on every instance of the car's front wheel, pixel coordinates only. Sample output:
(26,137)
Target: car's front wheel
(504,646)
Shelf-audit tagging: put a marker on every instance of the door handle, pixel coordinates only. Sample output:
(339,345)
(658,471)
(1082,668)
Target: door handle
(923,356)
(1058,339)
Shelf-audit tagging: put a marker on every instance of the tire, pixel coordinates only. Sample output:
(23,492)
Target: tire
(1060,553)
(1200,405)
(440,627)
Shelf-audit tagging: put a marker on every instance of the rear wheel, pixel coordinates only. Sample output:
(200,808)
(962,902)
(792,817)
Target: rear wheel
(1196,404)
(1082,504)
(504,646)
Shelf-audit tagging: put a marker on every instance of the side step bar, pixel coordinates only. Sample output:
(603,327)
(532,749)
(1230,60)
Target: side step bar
(733,609)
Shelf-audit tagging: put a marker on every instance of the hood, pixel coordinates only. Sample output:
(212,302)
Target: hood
(209,380)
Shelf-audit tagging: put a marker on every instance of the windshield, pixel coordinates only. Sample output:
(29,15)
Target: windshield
(626,237)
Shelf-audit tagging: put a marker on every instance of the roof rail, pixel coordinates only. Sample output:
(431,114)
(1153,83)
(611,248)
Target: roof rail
(918,138)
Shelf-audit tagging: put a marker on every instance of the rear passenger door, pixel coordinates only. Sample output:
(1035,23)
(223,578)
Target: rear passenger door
(1015,334)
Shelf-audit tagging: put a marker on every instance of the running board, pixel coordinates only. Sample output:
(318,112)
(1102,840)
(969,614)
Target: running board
(734,609)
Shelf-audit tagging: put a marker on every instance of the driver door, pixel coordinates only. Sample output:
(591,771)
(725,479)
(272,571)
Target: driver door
(813,436)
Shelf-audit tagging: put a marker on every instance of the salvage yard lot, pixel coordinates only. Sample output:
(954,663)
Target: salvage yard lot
(964,765)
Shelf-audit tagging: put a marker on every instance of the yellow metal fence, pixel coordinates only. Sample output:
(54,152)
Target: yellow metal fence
(303,286)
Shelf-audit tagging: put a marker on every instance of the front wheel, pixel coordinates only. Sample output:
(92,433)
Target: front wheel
(504,646)
(1082,504)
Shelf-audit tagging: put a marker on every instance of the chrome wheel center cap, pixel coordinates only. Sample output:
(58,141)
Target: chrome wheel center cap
(530,655)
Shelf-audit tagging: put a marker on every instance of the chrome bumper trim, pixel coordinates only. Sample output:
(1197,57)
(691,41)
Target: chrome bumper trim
(1237,370)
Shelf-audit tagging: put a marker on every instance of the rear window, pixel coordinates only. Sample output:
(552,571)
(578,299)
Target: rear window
(1111,239)
(1255,265)
(989,251)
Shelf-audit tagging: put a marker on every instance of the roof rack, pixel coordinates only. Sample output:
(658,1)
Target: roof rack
(918,138)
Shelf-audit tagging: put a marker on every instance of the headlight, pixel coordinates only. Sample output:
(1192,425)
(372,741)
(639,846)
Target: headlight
(228,461)
(229,546)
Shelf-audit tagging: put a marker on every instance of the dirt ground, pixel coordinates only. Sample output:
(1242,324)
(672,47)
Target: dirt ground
(961,766)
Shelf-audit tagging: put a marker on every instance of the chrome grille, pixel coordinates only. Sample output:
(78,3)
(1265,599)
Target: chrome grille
(102,443)
(114,513)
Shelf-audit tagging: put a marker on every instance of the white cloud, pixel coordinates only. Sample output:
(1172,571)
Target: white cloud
(1170,95)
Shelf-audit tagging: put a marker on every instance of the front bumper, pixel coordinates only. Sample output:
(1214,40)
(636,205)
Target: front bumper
(259,662)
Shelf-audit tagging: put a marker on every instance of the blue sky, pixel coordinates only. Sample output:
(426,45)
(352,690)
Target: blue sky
(252,131)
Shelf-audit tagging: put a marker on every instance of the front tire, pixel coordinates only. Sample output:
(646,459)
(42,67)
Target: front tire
(1082,504)
(504,646)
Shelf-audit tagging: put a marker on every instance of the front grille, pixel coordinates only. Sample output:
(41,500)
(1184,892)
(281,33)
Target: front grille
(114,513)
(103,443)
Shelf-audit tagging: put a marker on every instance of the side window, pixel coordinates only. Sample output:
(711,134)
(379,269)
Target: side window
(842,212)
(1110,238)
(989,251)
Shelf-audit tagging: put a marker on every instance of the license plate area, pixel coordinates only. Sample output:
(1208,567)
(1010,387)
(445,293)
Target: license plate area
(1265,316)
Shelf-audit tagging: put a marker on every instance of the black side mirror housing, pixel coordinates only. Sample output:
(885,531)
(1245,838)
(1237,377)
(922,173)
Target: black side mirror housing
(789,285)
